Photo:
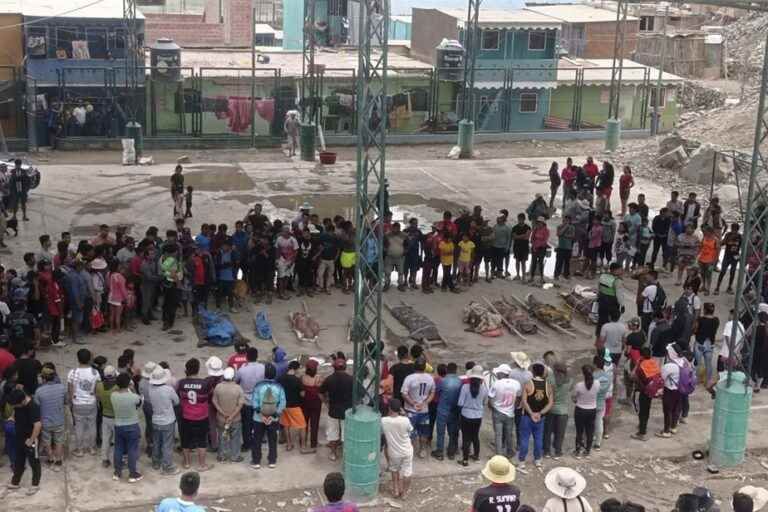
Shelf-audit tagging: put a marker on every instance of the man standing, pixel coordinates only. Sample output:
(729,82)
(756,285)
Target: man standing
(268,401)
(172,273)
(164,400)
(503,395)
(337,389)
(177,191)
(19,185)
(566,233)
(660,227)
(448,390)
(500,494)
(648,377)
(287,249)
(397,430)
(50,397)
(126,405)
(611,337)
(229,399)
(394,245)
(650,301)
(82,395)
(608,296)
(194,395)
(28,427)
(521,246)
(417,391)
(291,128)
(248,376)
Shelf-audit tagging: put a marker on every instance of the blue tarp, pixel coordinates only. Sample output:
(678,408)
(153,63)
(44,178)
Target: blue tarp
(217,329)
(263,327)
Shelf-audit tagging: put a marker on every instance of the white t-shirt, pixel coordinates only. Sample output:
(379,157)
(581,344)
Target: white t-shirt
(613,334)
(397,430)
(417,386)
(649,294)
(736,342)
(83,382)
(503,394)
(670,372)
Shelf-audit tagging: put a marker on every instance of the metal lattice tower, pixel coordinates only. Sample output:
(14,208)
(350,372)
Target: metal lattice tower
(618,58)
(755,240)
(309,79)
(471,46)
(371,150)
(132,62)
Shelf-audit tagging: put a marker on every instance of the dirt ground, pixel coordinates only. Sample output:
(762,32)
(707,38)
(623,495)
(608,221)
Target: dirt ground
(80,191)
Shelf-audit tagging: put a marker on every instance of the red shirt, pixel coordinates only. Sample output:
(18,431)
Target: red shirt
(625,181)
(591,170)
(135,266)
(568,175)
(194,394)
(6,360)
(451,226)
(198,279)
(237,360)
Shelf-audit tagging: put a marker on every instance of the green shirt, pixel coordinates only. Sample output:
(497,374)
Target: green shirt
(126,405)
(105,398)
(562,398)
(168,266)
(565,237)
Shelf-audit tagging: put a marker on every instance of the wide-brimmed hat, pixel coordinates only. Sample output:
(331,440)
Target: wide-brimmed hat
(521,359)
(98,264)
(214,366)
(149,367)
(502,369)
(759,496)
(229,373)
(109,371)
(159,376)
(565,483)
(476,372)
(499,470)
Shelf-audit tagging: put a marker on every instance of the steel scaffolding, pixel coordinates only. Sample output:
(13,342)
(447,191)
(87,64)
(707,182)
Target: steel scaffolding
(471,45)
(309,78)
(371,151)
(134,58)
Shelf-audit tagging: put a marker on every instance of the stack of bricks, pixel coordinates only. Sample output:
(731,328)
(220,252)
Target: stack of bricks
(232,27)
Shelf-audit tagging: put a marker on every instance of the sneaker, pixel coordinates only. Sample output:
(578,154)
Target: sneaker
(237,459)
(33,490)
(639,437)
(673,431)
(255,466)
(596,448)
(13,487)
(682,421)
(557,456)
(59,344)
(272,466)
(136,477)
(116,477)
(663,434)
(538,463)
(437,455)
(521,466)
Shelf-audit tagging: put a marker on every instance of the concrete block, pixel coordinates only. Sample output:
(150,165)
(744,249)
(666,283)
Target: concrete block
(699,168)
(674,159)
(671,142)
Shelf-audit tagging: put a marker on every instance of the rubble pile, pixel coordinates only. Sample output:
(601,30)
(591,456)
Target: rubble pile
(692,96)
(746,43)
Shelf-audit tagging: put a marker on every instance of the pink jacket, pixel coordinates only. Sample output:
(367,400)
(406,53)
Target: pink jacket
(118,292)
(539,238)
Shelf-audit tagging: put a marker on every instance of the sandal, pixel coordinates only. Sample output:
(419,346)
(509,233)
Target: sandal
(289,448)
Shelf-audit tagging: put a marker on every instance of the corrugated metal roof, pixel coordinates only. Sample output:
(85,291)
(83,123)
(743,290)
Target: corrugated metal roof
(598,71)
(404,18)
(104,9)
(289,62)
(577,13)
(506,18)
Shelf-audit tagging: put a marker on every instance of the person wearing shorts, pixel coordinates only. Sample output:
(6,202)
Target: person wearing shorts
(194,394)
(337,389)
(417,391)
(397,430)
(348,259)
(709,251)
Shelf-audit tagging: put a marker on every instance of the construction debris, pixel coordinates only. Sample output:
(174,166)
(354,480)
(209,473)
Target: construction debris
(420,328)
(582,300)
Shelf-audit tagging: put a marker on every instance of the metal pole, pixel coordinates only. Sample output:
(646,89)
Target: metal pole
(656,123)
(253,78)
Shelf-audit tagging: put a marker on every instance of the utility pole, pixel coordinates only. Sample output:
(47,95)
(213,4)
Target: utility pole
(309,84)
(613,124)
(471,47)
(656,119)
(132,127)
(253,77)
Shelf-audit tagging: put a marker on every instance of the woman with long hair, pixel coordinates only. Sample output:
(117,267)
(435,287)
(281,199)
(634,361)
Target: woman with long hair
(472,400)
(585,397)
(311,404)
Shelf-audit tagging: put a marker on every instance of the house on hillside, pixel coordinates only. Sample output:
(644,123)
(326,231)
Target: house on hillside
(516,66)
(588,31)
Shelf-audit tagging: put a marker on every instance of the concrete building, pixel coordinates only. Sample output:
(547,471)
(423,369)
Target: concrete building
(218,24)
(516,63)
(588,31)
(11,74)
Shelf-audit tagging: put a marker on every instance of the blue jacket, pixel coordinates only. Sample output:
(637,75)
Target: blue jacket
(449,390)
(258,395)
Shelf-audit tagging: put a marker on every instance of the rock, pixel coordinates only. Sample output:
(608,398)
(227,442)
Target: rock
(183,160)
(699,168)
(670,142)
(674,159)
(281,504)
(728,194)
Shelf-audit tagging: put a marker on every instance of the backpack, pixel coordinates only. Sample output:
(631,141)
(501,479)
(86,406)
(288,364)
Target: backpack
(651,382)
(660,300)
(687,382)
(269,403)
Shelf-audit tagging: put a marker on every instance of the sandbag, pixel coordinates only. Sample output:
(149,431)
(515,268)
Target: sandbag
(129,152)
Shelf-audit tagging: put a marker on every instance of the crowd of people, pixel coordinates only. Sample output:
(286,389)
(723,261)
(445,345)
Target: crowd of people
(429,408)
